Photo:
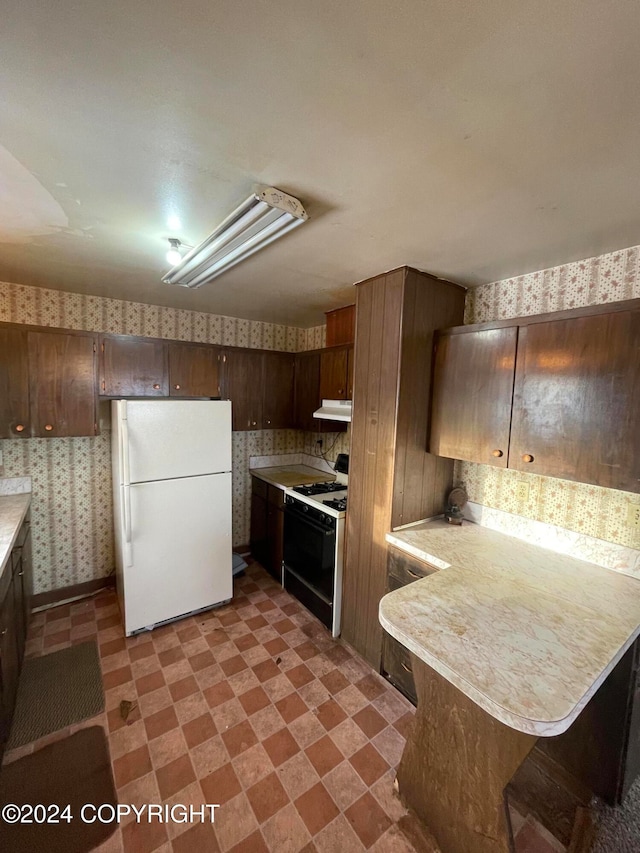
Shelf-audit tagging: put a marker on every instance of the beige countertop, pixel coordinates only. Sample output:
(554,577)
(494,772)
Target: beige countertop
(526,633)
(13,509)
(286,476)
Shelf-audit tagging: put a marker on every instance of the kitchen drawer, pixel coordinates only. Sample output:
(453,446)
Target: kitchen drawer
(260,488)
(405,568)
(396,664)
(276,496)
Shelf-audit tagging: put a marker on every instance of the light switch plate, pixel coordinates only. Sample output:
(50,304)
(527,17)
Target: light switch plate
(633,515)
(522,491)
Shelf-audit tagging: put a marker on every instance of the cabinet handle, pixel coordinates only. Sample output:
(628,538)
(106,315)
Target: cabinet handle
(48,427)
(3,632)
(340,390)
(527,457)
(268,423)
(406,668)
(177,387)
(414,574)
(156,387)
(19,427)
(497,453)
(20,574)
(254,423)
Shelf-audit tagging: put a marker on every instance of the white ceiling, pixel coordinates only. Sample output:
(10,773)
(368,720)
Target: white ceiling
(474,140)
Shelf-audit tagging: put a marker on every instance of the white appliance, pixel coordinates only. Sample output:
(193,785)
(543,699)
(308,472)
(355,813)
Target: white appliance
(172,508)
(334,410)
(313,539)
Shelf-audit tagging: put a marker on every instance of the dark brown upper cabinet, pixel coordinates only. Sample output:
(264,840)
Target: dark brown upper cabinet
(243,386)
(307,397)
(277,384)
(194,370)
(62,384)
(334,365)
(576,395)
(341,326)
(576,412)
(133,367)
(472,395)
(15,419)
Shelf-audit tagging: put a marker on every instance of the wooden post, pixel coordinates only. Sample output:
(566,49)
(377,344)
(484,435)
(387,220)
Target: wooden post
(456,764)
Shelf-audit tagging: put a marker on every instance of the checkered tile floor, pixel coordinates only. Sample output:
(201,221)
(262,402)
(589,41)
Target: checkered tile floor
(253,706)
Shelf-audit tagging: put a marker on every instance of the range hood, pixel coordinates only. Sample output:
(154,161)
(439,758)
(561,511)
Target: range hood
(334,410)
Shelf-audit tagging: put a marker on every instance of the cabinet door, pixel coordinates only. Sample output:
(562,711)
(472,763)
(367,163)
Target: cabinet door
(62,380)
(243,386)
(18,602)
(27,571)
(333,374)
(350,361)
(9,661)
(472,395)
(307,390)
(577,400)
(275,527)
(277,384)
(193,370)
(14,384)
(259,536)
(133,367)
(341,325)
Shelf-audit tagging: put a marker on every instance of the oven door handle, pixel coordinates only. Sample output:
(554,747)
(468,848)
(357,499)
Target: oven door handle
(301,517)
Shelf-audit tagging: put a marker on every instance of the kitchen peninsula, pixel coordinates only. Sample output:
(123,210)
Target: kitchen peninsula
(508,643)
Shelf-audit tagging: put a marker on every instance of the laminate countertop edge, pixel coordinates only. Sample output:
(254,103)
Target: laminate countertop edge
(13,509)
(539,728)
(510,623)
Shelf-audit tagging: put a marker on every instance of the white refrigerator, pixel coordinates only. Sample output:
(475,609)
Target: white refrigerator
(172,507)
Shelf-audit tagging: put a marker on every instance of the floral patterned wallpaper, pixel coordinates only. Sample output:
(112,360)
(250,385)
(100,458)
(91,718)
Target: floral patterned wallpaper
(592,510)
(72,513)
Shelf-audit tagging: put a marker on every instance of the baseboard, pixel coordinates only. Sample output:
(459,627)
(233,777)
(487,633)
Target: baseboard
(76,590)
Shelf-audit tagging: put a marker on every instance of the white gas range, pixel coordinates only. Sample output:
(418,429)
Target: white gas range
(314,525)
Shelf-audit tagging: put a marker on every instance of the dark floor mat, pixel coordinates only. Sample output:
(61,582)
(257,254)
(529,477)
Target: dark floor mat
(70,772)
(56,691)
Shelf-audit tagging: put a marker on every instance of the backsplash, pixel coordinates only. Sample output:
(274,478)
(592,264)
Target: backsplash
(72,515)
(597,512)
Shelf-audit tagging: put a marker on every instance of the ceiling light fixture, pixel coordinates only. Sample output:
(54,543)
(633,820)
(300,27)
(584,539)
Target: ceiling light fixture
(265,216)
(173,255)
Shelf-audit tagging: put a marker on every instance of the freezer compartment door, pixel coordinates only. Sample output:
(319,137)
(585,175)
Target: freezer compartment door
(167,439)
(181,557)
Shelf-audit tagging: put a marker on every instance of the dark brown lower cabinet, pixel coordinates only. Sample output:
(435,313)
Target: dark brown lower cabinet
(267,523)
(402,569)
(15,606)
(602,747)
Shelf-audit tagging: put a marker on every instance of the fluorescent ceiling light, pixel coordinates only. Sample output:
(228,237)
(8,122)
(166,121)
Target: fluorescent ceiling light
(265,216)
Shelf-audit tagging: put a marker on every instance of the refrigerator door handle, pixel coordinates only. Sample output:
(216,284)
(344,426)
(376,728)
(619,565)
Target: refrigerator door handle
(126,494)
(124,432)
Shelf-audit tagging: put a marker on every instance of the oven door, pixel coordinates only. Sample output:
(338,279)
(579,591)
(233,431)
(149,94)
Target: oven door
(310,549)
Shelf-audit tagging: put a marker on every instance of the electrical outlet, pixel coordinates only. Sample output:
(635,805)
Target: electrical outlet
(522,491)
(319,442)
(633,515)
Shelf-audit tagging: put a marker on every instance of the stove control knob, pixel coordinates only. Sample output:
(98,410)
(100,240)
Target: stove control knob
(323,517)
(305,508)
